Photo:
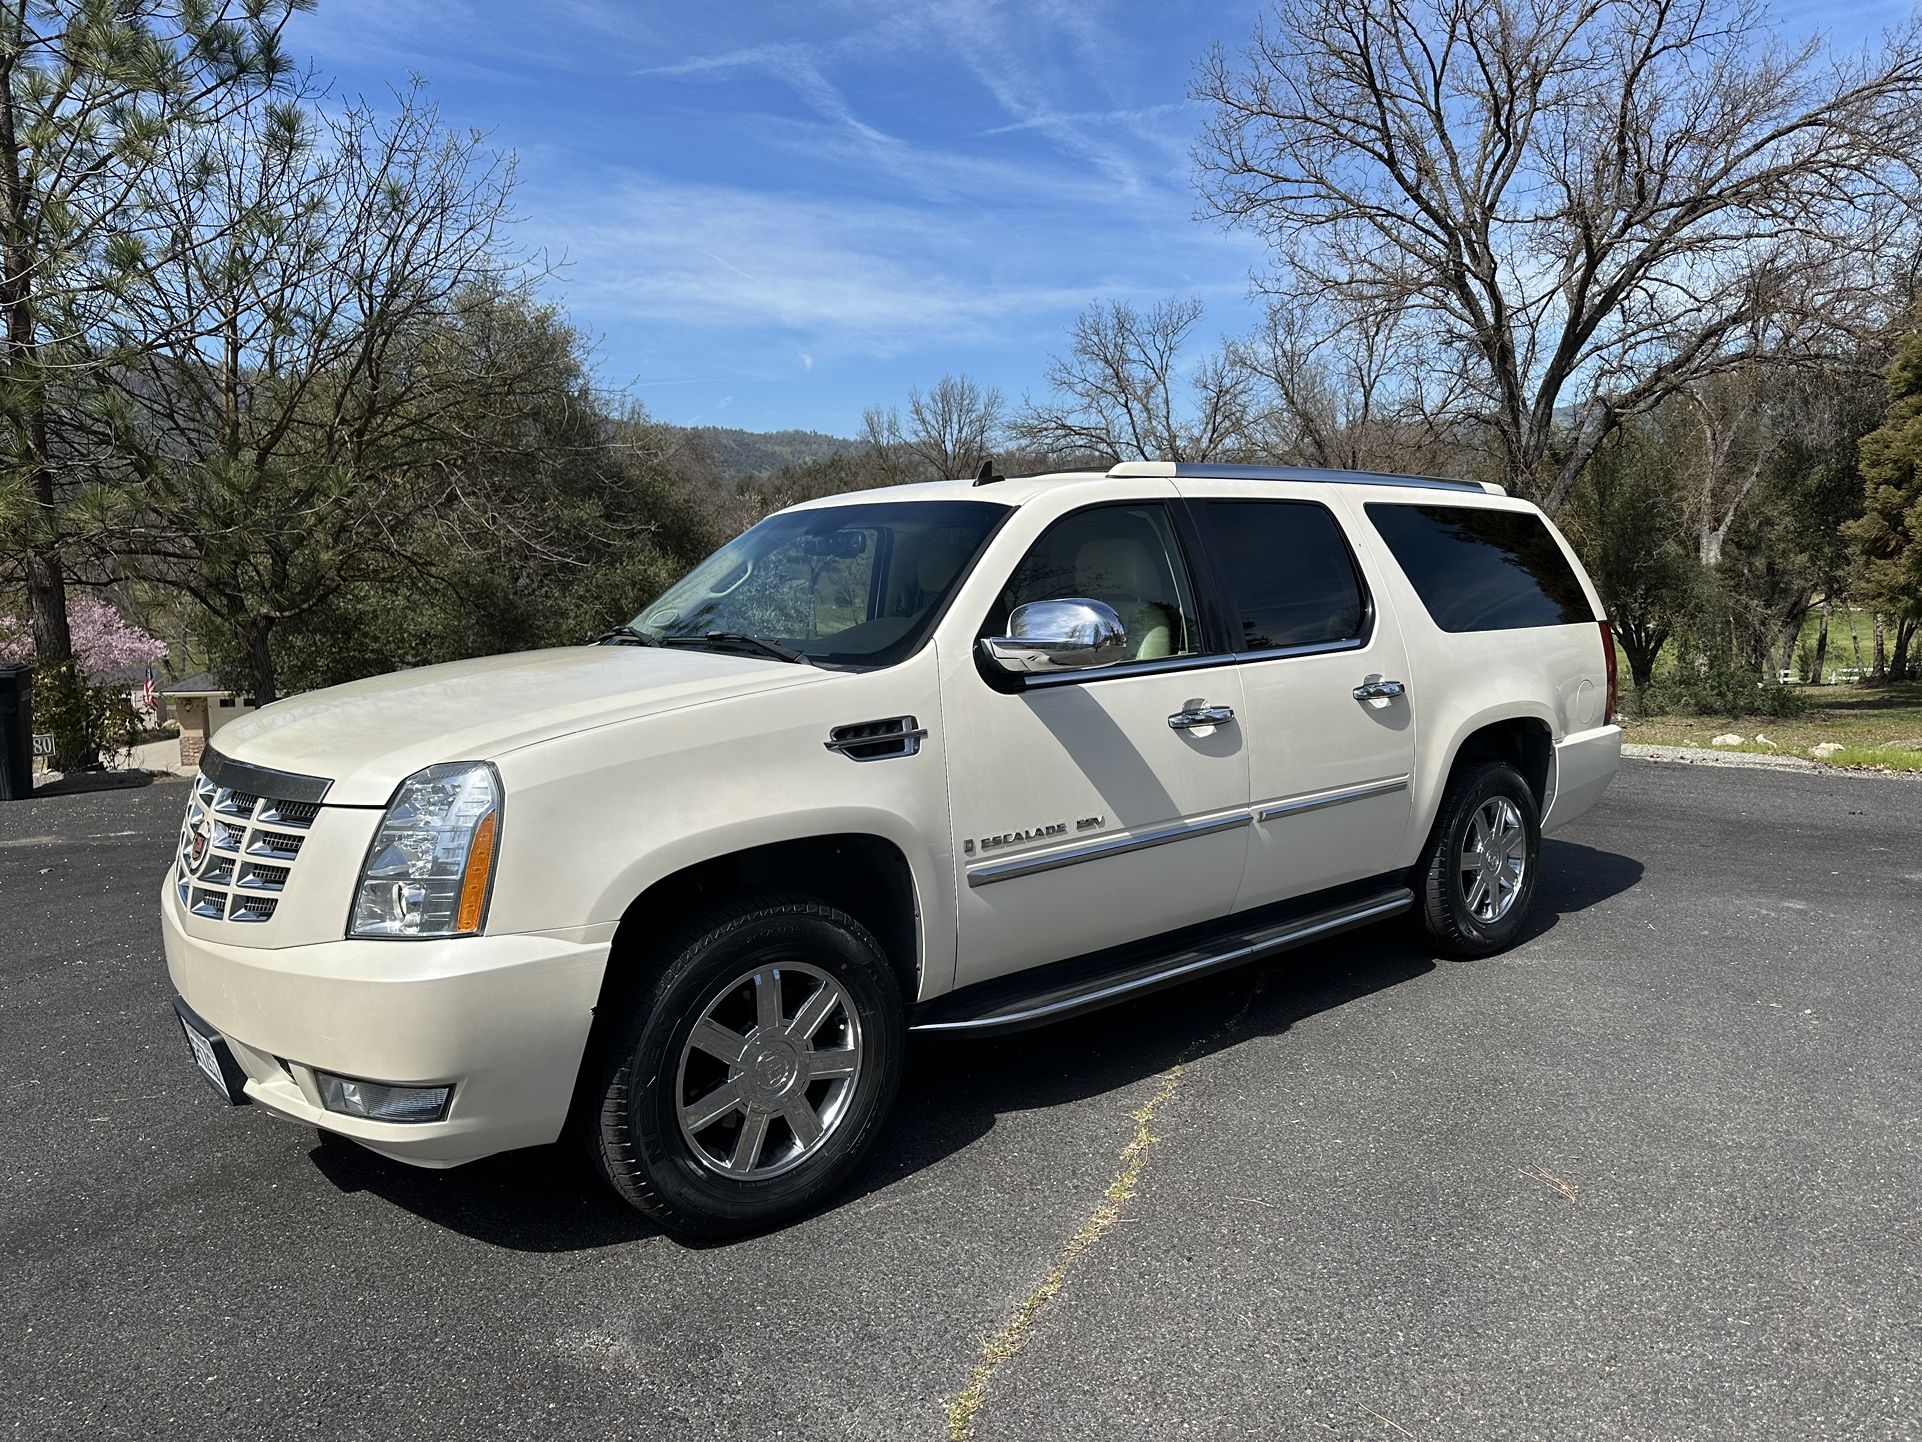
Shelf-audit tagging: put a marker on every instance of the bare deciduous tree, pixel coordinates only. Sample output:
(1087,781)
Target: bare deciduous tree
(1123,391)
(1596,203)
(949,431)
(1737,424)
(1355,391)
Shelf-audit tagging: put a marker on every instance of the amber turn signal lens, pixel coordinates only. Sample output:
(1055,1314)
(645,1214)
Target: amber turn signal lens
(480,866)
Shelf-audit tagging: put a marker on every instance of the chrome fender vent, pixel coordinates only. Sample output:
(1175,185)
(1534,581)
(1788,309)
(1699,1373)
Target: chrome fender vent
(877,740)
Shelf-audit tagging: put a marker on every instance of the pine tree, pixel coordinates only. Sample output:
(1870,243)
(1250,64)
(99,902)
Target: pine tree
(1889,534)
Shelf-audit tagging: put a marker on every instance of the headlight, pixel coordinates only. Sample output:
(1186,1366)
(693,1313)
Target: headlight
(432,862)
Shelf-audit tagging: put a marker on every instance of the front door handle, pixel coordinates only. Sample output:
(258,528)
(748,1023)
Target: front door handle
(1379,690)
(1201,716)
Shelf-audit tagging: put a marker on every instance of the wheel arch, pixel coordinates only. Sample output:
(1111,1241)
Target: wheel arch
(862,872)
(1525,740)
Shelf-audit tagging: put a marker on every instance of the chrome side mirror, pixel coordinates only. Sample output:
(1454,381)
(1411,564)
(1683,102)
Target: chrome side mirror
(1075,634)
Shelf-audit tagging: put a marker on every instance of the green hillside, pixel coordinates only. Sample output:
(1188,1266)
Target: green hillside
(737,453)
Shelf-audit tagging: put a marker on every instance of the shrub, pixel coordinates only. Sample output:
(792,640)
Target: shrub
(88,723)
(1805,664)
(83,702)
(1722,689)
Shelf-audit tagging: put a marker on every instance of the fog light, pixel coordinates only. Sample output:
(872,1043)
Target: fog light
(379,1102)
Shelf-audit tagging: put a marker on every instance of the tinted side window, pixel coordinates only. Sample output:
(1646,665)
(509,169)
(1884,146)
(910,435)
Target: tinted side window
(1288,572)
(1482,570)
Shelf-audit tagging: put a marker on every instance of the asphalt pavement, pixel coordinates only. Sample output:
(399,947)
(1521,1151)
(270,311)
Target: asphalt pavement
(1653,1174)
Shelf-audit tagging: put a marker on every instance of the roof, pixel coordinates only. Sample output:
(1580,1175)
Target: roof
(201,683)
(1016,490)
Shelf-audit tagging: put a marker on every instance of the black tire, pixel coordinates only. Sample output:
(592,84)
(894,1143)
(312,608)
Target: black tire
(1451,923)
(634,1114)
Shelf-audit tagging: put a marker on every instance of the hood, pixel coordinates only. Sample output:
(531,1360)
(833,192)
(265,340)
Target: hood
(369,736)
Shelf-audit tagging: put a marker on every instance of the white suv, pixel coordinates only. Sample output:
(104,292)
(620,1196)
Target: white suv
(954,757)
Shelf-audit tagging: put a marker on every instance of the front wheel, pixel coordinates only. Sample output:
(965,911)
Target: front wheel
(753,1070)
(1477,877)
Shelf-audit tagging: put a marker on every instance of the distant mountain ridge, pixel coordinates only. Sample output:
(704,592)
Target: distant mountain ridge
(738,453)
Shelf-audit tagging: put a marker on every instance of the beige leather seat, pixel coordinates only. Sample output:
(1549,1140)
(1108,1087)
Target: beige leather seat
(936,569)
(1122,572)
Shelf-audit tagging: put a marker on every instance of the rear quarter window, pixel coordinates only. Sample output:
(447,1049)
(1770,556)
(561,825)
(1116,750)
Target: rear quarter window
(1477,569)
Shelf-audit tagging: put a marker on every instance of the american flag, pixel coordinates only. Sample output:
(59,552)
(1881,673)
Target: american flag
(148,695)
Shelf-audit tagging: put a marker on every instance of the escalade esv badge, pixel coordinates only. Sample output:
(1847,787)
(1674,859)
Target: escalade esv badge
(1015,838)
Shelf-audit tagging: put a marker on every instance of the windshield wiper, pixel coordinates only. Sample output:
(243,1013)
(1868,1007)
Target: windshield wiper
(626,636)
(741,638)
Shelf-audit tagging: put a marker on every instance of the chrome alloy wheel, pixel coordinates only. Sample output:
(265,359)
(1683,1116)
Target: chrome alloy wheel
(768,1071)
(1494,858)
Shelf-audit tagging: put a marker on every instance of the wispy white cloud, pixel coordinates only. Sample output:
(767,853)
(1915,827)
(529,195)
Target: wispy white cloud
(873,279)
(1130,117)
(999,48)
(838,135)
(1015,55)
(813,200)
(448,41)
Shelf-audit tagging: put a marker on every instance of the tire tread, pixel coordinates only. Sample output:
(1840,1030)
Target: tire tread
(610,1137)
(1435,885)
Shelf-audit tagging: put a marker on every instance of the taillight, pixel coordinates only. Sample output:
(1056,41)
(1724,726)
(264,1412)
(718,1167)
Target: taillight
(1608,659)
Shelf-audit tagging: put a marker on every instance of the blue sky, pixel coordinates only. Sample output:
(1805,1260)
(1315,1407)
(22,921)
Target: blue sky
(775,215)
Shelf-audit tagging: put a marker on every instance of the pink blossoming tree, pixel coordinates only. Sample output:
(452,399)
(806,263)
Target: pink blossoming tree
(108,649)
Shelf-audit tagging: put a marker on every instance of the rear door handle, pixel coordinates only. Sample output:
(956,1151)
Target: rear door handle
(1379,690)
(1202,716)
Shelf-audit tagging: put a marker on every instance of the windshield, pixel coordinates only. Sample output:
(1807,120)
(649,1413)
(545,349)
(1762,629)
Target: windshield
(846,585)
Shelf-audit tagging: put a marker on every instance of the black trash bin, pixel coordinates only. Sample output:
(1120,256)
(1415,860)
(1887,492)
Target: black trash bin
(16,733)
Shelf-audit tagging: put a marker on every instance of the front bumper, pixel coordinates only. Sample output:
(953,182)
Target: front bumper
(504,1020)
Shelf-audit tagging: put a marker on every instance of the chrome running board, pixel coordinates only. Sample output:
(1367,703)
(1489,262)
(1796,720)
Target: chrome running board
(1065,989)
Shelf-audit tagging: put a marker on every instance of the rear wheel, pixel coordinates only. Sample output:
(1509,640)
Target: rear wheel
(753,1069)
(1477,877)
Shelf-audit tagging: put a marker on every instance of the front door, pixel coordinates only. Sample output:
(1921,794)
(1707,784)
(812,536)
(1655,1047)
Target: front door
(1083,818)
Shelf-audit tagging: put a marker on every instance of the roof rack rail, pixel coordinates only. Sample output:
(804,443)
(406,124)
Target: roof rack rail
(1216,470)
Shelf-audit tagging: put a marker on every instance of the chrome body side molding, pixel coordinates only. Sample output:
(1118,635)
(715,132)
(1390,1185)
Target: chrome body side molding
(1316,801)
(1031,865)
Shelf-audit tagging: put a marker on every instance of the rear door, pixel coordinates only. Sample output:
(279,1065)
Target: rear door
(1329,712)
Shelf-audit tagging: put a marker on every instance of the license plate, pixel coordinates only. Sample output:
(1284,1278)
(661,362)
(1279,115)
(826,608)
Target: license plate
(216,1063)
(204,1055)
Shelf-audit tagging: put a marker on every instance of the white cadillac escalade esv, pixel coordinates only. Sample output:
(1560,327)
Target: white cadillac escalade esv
(960,757)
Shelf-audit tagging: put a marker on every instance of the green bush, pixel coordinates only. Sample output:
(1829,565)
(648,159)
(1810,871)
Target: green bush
(86,722)
(1722,689)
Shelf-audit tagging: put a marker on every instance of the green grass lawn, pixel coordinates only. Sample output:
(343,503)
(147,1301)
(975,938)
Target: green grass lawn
(1851,637)
(1880,726)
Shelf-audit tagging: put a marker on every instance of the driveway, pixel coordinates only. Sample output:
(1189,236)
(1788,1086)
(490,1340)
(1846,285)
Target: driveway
(1653,1174)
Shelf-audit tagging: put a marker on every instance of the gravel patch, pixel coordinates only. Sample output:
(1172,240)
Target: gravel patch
(1755,761)
(1709,756)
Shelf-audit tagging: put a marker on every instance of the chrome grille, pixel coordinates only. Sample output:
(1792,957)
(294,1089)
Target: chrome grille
(246,861)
